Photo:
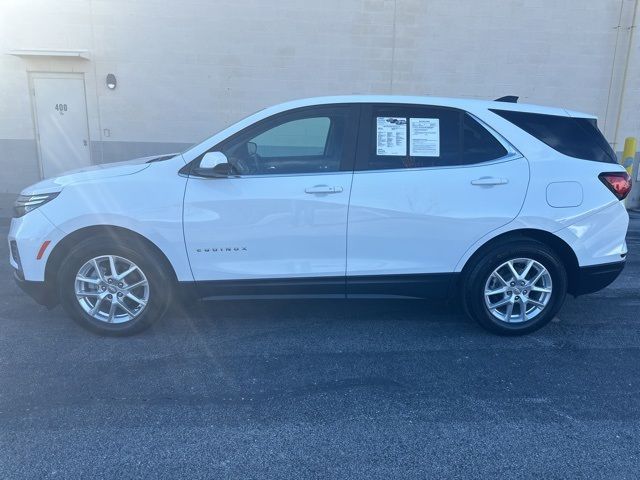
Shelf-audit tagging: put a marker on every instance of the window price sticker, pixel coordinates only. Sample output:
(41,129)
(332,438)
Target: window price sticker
(425,137)
(391,136)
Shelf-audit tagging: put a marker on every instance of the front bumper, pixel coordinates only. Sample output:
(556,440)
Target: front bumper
(595,277)
(39,291)
(28,234)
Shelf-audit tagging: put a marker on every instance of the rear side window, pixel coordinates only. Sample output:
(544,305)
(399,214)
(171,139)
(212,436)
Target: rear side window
(575,137)
(404,136)
(414,137)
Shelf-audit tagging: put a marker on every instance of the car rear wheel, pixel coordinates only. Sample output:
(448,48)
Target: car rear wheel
(112,289)
(516,287)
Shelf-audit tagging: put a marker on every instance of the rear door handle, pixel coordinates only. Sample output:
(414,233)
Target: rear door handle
(323,189)
(488,181)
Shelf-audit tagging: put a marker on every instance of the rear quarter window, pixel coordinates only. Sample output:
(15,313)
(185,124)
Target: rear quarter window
(571,136)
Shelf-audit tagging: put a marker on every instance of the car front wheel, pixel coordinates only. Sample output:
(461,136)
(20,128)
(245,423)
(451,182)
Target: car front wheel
(112,289)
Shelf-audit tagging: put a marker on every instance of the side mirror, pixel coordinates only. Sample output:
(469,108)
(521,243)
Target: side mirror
(252,148)
(214,165)
(212,159)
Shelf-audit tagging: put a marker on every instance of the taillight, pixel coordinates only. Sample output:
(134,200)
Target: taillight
(618,182)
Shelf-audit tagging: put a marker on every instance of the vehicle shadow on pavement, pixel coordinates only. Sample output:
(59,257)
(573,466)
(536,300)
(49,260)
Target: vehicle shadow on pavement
(254,313)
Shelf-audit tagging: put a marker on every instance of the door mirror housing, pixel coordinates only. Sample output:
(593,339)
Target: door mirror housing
(252,148)
(212,159)
(214,165)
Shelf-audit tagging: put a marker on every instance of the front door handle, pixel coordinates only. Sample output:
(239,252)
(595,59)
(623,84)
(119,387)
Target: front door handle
(323,189)
(488,181)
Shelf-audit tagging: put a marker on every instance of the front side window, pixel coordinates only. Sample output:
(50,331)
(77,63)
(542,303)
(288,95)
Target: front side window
(297,143)
(403,136)
(306,137)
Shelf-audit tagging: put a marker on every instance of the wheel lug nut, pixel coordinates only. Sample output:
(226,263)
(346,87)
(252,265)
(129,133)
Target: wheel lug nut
(509,292)
(109,296)
(121,285)
(119,294)
(522,282)
(513,284)
(517,298)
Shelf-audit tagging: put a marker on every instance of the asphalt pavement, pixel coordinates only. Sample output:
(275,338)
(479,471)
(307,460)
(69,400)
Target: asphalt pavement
(323,389)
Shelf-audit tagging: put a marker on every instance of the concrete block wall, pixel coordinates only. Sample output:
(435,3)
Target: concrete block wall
(187,68)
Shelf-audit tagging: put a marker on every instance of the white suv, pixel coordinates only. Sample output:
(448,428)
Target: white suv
(505,207)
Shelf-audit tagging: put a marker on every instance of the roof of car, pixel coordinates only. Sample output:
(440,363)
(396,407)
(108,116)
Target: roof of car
(462,103)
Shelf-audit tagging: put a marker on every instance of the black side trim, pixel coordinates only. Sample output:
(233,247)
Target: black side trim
(427,286)
(593,278)
(315,287)
(39,291)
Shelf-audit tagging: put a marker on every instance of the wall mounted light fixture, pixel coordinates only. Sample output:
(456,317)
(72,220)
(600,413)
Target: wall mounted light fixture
(111,81)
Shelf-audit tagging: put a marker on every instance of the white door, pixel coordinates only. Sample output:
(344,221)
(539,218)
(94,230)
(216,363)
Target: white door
(61,122)
(284,215)
(429,183)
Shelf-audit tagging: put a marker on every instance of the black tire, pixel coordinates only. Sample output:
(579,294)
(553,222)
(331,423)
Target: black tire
(475,280)
(160,284)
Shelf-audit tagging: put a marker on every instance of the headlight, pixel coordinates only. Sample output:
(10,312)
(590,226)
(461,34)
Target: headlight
(25,203)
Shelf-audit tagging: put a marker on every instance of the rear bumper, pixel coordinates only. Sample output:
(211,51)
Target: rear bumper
(39,291)
(596,277)
(598,238)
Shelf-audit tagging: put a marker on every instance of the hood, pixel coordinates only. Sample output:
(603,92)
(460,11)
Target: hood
(95,172)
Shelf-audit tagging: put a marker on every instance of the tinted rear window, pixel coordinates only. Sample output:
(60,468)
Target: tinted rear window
(575,137)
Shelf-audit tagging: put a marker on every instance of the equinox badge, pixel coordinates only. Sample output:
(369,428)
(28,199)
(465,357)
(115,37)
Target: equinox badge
(222,249)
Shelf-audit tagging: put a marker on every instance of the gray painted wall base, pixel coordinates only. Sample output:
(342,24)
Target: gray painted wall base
(18,165)
(107,152)
(6,208)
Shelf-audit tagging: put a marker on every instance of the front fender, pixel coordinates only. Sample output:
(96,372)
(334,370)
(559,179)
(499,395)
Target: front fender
(148,203)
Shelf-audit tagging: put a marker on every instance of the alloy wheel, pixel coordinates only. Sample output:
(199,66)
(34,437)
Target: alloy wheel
(112,289)
(518,290)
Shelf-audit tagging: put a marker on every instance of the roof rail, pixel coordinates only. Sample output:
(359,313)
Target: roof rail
(507,99)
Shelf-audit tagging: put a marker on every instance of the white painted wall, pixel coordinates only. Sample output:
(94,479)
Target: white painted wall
(185,68)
